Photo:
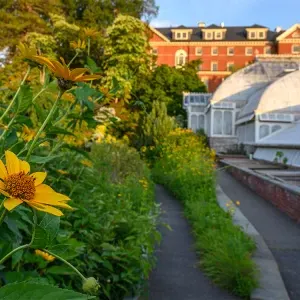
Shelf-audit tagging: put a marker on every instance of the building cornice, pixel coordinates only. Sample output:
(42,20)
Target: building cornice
(289,41)
(287,32)
(207,73)
(213,43)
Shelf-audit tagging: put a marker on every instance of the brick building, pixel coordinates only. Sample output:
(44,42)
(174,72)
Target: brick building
(221,48)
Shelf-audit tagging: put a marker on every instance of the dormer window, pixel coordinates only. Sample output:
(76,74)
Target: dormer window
(209,35)
(218,35)
(181,33)
(256,33)
(252,35)
(261,35)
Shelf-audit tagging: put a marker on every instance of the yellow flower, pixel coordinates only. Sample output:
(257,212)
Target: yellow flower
(238,203)
(44,255)
(27,52)
(27,134)
(87,163)
(62,172)
(79,45)
(90,32)
(21,187)
(65,76)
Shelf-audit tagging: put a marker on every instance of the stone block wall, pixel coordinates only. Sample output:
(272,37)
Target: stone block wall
(283,197)
(223,144)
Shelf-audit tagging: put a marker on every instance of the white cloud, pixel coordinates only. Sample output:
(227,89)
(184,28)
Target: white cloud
(162,23)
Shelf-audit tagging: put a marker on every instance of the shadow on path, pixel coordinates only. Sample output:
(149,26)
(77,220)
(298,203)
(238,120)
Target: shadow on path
(281,234)
(177,276)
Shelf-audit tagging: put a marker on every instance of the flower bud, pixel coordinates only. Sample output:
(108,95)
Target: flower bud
(90,286)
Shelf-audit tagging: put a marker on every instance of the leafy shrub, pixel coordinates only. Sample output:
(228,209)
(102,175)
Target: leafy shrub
(186,167)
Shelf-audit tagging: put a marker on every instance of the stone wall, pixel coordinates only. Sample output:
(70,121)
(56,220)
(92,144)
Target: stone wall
(223,144)
(283,197)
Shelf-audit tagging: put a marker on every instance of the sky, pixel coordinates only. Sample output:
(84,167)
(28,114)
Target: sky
(270,13)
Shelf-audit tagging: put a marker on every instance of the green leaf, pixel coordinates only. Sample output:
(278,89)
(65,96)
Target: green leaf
(92,65)
(46,231)
(57,130)
(34,291)
(42,159)
(24,99)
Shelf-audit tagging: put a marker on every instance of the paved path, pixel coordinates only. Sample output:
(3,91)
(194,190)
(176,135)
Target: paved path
(177,276)
(281,234)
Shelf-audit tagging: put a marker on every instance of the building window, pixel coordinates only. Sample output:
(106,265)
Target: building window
(201,122)
(214,66)
(198,51)
(230,66)
(296,49)
(230,51)
(217,127)
(252,35)
(249,51)
(264,131)
(227,128)
(268,50)
(218,35)
(180,58)
(208,35)
(194,123)
(154,51)
(178,35)
(214,51)
(275,128)
(184,35)
(261,35)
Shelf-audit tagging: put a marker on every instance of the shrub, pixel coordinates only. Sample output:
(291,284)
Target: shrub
(187,168)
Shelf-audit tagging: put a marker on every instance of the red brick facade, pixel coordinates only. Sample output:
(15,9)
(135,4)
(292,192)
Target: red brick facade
(216,66)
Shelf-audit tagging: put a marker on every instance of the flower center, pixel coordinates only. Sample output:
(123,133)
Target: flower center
(20,186)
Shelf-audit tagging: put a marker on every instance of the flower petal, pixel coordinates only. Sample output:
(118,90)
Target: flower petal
(4,193)
(24,166)
(44,61)
(39,177)
(87,77)
(48,197)
(12,163)
(48,209)
(2,185)
(11,203)
(78,72)
(3,171)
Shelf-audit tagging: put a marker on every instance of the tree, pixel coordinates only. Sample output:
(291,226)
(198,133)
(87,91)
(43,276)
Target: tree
(127,54)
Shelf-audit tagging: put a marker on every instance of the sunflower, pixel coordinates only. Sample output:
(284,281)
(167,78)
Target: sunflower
(44,255)
(90,32)
(27,53)
(27,134)
(80,45)
(21,187)
(65,76)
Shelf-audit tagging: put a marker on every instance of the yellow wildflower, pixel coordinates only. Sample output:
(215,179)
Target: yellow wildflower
(79,45)
(21,187)
(87,163)
(44,255)
(27,134)
(90,32)
(62,172)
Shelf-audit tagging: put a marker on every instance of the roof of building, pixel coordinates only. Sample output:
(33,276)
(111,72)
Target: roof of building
(233,33)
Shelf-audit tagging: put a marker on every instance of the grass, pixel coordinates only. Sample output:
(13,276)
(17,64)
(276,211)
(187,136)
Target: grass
(187,169)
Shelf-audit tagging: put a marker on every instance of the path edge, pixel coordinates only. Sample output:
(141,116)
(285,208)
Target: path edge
(271,285)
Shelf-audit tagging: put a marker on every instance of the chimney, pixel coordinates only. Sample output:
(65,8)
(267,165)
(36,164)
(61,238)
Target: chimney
(278,29)
(201,24)
(222,24)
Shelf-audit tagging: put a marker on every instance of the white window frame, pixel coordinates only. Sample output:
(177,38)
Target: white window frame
(212,66)
(212,51)
(293,49)
(222,123)
(196,51)
(178,36)
(228,51)
(263,35)
(252,33)
(218,37)
(180,54)
(246,51)
(207,37)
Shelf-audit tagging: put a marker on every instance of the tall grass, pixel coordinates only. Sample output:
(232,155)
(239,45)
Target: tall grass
(186,167)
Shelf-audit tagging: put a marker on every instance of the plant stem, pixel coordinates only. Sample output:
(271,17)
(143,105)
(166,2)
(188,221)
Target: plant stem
(16,95)
(65,262)
(37,95)
(3,215)
(69,64)
(12,252)
(8,126)
(89,46)
(60,93)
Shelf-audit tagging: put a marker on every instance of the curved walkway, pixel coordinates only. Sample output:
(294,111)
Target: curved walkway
(177,276)
(281,234)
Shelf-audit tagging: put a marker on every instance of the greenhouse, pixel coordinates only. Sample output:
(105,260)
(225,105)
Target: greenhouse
(258,106)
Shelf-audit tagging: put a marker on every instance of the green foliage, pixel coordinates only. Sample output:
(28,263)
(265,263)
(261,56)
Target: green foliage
(166,84)
(186,167)
(34,291)
(154,126)
(126,54)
